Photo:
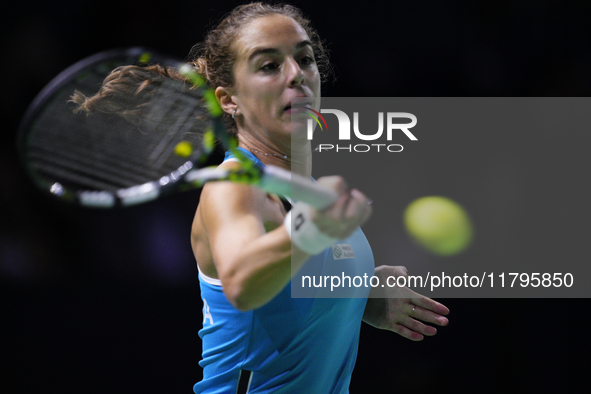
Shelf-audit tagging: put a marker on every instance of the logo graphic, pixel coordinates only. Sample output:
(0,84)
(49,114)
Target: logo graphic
(389,124)
(317,121)
(338,252)
(342,252)
(299,221)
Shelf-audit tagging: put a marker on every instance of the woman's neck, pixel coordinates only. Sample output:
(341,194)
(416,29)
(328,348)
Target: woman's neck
(297,159)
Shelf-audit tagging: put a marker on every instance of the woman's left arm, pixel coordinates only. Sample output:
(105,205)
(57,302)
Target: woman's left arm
(401,310)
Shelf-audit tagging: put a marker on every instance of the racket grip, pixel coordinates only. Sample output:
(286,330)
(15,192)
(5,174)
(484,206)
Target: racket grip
(298,188)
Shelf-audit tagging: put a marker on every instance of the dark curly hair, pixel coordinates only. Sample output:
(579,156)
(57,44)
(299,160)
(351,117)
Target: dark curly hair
(214,58)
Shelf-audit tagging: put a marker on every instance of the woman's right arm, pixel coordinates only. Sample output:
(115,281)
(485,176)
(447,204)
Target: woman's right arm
(252,264)
(255,265)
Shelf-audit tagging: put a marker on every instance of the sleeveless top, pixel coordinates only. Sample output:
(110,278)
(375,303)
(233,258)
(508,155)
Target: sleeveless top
(289,345)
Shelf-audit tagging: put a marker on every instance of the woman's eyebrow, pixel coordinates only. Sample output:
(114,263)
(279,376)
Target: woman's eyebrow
(272,50)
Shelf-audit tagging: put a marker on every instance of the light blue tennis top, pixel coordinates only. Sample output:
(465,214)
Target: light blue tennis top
(290,345)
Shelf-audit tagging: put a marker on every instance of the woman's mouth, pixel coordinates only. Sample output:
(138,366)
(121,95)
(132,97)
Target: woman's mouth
(298,105)
(296,109)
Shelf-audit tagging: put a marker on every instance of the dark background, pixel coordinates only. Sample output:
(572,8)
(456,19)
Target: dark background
(96,301)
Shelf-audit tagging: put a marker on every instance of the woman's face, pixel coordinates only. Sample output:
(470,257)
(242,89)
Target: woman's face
(274,65)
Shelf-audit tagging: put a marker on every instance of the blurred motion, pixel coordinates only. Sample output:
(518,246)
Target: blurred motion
(438,224)
(109,301)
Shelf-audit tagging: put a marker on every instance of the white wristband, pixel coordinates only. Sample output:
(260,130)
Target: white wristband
(303,232)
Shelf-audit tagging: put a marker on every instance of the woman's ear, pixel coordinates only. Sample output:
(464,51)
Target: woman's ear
(224,96)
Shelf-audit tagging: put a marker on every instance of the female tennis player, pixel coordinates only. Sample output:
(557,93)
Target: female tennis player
(248,246)
(267,64)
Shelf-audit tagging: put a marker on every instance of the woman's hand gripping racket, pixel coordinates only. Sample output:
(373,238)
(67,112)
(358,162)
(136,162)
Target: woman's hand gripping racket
(150,131)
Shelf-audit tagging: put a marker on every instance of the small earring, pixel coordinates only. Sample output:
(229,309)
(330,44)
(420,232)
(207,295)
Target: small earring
(234,114)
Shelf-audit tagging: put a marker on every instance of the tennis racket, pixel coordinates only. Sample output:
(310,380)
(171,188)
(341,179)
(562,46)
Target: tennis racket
(151,135)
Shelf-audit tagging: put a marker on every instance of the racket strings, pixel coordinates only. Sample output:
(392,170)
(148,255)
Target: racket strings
(114,165)
(185,125)
(116,170)
(106,152)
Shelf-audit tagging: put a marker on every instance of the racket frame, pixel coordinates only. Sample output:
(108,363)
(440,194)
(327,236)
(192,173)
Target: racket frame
(270,178)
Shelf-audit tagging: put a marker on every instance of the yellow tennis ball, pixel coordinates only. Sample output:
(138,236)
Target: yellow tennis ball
(439,224)
(183,149)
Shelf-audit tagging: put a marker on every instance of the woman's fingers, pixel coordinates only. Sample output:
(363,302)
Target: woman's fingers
(407,333)
(342,218)
(428,316)
(431,311)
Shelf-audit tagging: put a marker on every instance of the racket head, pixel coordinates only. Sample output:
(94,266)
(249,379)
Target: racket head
(104,159)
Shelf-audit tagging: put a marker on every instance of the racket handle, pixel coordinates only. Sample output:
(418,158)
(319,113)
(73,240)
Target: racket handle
(279,181)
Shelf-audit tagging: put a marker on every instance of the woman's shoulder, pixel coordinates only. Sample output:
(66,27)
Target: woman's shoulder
(231,196)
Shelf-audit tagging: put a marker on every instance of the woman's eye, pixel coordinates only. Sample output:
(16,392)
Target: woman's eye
(307,60)
(269,67)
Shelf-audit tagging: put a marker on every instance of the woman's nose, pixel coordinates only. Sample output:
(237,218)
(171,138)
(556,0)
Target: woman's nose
(296,77)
